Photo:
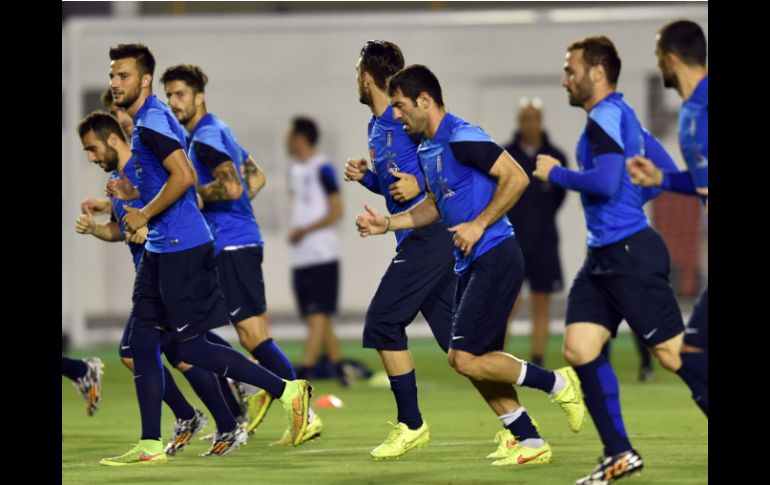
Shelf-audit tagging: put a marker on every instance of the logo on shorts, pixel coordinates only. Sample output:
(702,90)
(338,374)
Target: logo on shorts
(179,329)
(232,313)
(648,335)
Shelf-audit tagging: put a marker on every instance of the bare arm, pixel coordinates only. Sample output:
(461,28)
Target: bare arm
(372,222)
(332,216)
(255,177)
(225,186)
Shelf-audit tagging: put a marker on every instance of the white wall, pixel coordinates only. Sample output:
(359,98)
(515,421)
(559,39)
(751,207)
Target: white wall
(263,70)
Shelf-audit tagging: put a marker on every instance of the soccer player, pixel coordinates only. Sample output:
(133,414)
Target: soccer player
(238,247)
(176,287)
(625,275)
(681,53)
(86,375)
(473,183)
(420,276)
(316,208)
(106,146)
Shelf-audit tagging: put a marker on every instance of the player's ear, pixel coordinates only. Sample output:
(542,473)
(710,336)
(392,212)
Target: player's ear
(146,80)
(200,98)
(112,140)
(423,101)
(596,73)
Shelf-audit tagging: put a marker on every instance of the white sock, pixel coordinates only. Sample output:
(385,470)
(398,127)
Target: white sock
(508,418)
(523,373)
(558,384)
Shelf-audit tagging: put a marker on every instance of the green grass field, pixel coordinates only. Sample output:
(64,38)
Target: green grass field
(664,425)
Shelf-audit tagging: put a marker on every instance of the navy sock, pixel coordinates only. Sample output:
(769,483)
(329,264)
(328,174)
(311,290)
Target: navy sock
(148,379)
(602,397)
(73,369)
(538,378)
(174,398)
(206,386)
(521,427)
(272,358)
(229,363)
(691,372)
(404,389)
(227,393)
(606,350)
(697,363)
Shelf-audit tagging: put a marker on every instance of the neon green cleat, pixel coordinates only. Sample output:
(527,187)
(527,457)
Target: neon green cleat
(506,442)
(400,440)
(313,431)
(146,452)
(258,404)
(296,403)
(523,455)
(570,399)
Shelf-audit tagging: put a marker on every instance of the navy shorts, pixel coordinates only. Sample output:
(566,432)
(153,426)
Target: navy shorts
(484,298)
(240,276)
(697,332)
(179,292)
(627,280)
(316,288)
(542,269)
(420,278)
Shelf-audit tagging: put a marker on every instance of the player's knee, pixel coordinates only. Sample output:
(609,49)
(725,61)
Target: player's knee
(128,362)
(668,359)
(463,363)
(576,354)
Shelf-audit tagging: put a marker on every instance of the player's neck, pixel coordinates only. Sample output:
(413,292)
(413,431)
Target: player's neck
(380,102)
(688,79)
(143,95)
(306,155)
(193,122)
(124,155)
(599,94)
(434,121)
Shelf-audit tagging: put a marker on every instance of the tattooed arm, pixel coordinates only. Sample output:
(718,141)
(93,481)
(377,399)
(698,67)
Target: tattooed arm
(226,184)
(255,177)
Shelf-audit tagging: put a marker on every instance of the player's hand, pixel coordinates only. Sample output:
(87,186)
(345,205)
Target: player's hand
(405,188)
(371,222)
(85,223)
(296,235)
(543,166)
(121,189)
(137,237)
(643,172)
(355,169)
(134,219)
(466,235)
(97,207)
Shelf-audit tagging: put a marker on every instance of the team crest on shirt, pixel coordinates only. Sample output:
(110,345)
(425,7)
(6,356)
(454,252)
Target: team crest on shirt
(371,159)
(439,165)
(443,184)
(389,138)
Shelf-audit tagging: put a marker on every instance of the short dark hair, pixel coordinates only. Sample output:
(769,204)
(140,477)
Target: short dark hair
(685,39)
(413,80)
(103,124)
(107,99)
(193,76)
(381,59)
(599,50)
(306,127)
(139,52)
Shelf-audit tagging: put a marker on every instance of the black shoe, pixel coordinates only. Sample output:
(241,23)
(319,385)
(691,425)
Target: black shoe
(612,468)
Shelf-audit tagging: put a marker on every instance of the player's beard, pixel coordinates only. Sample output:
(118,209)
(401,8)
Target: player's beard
(110,160)
(364,97)
(184,115)
(129,97)
(581,94)
(670,81)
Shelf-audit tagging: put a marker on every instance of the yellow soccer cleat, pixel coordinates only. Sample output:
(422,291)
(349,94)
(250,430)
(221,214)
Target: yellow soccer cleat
(258,404)
(400,440)
(570,399)
(146,452)
(524,455)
